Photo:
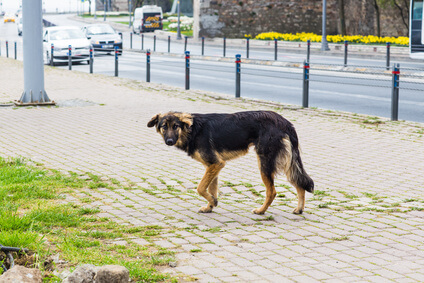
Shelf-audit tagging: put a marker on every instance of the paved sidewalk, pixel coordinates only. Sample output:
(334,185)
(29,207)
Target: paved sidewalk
(365,222)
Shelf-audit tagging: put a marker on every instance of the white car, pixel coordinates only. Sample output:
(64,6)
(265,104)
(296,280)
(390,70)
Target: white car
(61,37)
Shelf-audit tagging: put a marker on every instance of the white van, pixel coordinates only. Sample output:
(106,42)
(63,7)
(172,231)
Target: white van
(147,18)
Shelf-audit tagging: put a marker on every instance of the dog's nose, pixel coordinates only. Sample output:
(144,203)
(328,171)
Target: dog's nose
(169,142)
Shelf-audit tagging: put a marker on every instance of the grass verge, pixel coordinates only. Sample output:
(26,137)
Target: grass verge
(35,215)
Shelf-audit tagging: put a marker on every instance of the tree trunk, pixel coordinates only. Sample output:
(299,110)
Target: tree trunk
(342,17)
(404,15)
(377,13)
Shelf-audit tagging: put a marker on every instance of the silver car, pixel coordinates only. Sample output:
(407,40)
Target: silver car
(58,39)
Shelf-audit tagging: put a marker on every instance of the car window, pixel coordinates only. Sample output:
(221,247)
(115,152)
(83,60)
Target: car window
(66,34)
(100,30)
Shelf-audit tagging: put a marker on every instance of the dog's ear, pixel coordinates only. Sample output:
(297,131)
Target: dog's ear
(186,118)
(153,121)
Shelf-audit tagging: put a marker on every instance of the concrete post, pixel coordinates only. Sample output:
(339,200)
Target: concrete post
(34,93)
(324,44)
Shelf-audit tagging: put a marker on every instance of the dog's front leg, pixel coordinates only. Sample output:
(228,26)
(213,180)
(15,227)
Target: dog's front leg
(211,173)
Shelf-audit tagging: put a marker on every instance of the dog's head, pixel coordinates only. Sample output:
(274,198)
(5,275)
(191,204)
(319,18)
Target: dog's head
(173,126)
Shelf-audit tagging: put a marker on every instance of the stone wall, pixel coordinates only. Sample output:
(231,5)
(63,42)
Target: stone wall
(235,18)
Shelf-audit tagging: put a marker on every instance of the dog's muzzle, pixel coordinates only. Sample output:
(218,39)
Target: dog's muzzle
(169,142)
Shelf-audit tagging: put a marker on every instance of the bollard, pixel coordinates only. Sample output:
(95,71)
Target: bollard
(275,49)
(91,60)
(7,49)
(247,48)
(308,51)
(203,46)
(238,63)
(345,53)
(116,61)
(395,91)
(70,57)
(224,45)
(51,55)
(148,66)
(169,43)
(15,51)
(187,70)
(142,42)
(305,97)
(154,43)
(185,44)
(388,56)
(131,35)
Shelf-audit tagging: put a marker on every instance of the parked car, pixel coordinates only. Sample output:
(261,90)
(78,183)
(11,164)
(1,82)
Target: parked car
(61,37)
(19,24)
(103,37)
(147,18)
(9,19)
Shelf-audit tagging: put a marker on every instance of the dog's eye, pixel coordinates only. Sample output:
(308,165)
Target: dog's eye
(164,127)
(175,126)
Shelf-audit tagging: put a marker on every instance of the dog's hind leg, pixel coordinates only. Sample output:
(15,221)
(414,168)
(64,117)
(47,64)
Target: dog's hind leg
(270,193)
(300,201)
(213,189)
(211,174)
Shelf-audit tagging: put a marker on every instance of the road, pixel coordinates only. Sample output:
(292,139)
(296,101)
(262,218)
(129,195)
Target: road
(369,94)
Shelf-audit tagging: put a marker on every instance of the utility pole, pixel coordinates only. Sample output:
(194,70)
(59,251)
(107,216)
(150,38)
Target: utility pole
(34,93)
(324,44)
(129,11)
(179,13)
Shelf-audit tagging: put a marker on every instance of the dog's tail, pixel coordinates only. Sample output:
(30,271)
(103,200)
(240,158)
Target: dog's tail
(293,166)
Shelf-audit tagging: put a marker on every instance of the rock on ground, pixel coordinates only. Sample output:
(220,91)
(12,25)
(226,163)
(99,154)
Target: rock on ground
(112,274)
(21,274)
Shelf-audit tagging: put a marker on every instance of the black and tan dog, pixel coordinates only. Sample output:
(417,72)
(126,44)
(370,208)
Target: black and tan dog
(213,139)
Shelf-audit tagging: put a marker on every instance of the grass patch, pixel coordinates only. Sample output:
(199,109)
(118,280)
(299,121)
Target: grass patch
(33,216)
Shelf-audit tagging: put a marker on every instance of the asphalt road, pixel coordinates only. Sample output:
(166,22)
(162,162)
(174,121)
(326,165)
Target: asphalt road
(366,94)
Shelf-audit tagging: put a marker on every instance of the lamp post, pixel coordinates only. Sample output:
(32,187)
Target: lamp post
(178,28)
(129,11)
(324,44)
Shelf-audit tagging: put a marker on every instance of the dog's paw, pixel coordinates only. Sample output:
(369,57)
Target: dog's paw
(258,211)
(297,211)
(205,209)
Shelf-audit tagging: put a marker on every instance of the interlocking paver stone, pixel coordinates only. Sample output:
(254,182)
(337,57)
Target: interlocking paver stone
(364,224)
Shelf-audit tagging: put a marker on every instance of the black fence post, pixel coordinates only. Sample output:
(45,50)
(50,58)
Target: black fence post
(395,92)
(247,48)
(388,56)
(142,41)
(169,43)
(91,60)
(148,66)
(116,61)
(185,44)
(187,70)
(203,45)
(308,51)
(238,71)
(305,97)
(345,53)
(131,36)
(70,57)
(52,55)
(16,51)
(154,43)
(275,49)
(7,49)
(225,40)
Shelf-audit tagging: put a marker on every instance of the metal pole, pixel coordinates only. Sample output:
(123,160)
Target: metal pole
(247,48)
(95,10)
(305,97)
(395,92)
(308,51)
(131,35)
(275,49)
(33,54)
(148,66)
(70,57)
(203,45)
(238,63)
(324,44)
(104,14)
(129,12)
(16,51)
(178,25)
(91,60)
(154,43)
(116,61)
(169,43)
(185,43)
(345,53)
(51,55)
(224,46)
(187,69)
(142,42)
(388,56)
(7,49)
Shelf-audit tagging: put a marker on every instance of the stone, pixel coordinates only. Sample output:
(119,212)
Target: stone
(21,274)
(112,274)
(82,274)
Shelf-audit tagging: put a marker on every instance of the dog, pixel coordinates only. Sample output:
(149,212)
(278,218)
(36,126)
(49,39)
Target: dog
(213,139)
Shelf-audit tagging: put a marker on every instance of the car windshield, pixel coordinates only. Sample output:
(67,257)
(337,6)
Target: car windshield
(100,30)
(66,34)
